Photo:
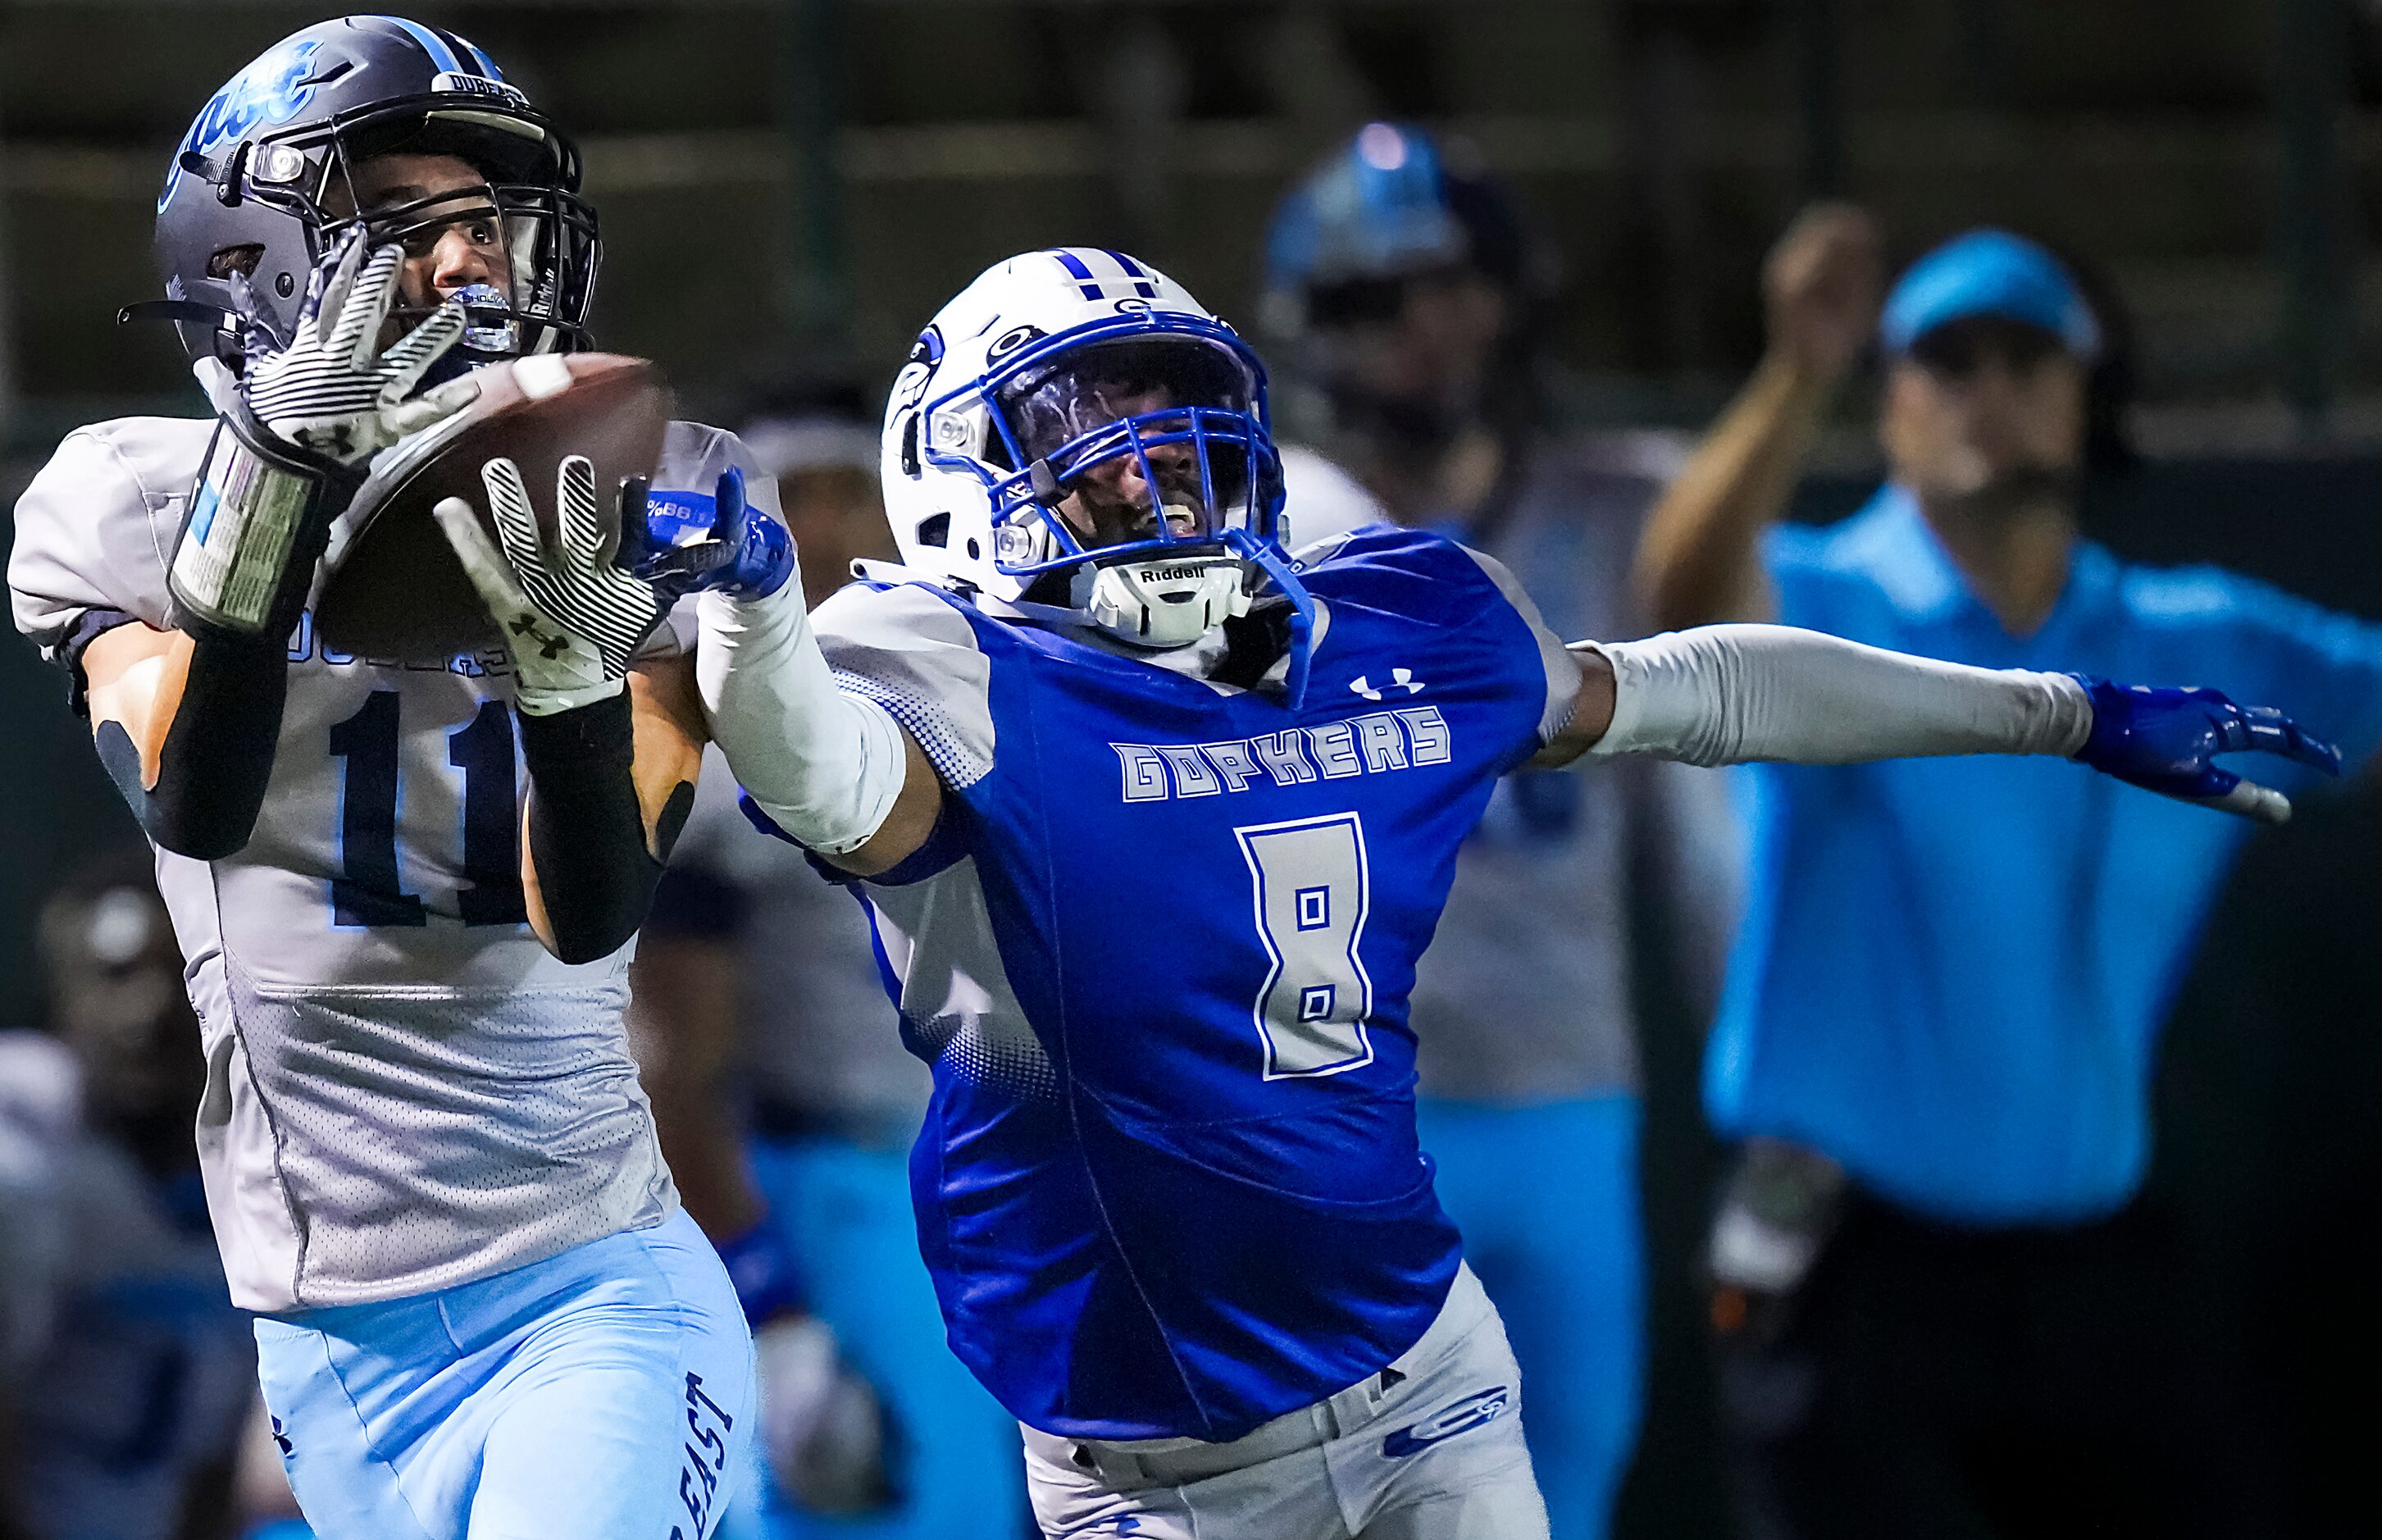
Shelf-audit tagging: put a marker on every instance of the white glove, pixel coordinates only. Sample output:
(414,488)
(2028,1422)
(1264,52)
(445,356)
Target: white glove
(570,619)
(822,1427)
(336,394)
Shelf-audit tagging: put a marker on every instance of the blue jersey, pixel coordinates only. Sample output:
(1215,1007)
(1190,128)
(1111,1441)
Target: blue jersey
(1952,972)
(1158,953)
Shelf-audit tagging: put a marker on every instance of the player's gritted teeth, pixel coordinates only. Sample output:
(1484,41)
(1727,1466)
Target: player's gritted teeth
(1111,501)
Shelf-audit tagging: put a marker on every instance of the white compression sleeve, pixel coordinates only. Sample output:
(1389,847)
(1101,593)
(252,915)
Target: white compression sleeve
(824,764)
(1731,694)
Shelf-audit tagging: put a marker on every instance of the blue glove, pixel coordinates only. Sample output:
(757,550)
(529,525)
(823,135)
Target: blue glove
(744,552)
(2164,740)
(761,1264)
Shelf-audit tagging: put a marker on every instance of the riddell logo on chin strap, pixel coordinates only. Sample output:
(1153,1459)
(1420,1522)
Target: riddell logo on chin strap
(1179,572)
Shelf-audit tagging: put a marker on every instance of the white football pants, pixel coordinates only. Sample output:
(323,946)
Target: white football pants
(1430,1448)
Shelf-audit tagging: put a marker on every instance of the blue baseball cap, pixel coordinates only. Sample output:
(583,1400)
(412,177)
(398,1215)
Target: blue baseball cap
(1989,272)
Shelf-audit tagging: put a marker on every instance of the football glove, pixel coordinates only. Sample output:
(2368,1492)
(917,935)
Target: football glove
(570,619)
(2165,740)
(294,433)
(332,391)
(744,553)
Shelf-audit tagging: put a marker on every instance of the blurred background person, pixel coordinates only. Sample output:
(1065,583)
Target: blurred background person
(1407,296)
(787,1106)
(1942,1309)
(130,1392)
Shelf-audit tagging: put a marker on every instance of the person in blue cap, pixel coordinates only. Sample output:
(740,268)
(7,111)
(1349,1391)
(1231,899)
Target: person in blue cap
(1942,1307)
(1409,296)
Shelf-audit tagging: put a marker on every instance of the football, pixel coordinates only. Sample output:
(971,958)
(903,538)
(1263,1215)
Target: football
(393,590)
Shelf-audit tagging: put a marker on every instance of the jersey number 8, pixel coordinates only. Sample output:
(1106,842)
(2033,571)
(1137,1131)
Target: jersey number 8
(1311,887)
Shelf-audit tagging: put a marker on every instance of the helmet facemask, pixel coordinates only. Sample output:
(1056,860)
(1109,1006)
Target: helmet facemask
(1140,467)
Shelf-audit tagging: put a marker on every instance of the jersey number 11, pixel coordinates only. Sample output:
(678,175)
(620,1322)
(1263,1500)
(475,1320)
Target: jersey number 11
(371,893)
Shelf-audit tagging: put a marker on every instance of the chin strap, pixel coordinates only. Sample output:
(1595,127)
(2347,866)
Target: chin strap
(1270,559)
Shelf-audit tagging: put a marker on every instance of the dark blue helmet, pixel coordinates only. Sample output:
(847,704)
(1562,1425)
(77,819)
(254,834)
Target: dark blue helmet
(1391,209)
(1390,205)
(263,184)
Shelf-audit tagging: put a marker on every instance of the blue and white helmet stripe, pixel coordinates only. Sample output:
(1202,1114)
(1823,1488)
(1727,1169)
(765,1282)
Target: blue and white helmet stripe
(1130,278)
(452,54)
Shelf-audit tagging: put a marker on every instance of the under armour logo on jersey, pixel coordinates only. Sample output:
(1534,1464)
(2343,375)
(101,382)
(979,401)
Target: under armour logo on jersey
(1400,679)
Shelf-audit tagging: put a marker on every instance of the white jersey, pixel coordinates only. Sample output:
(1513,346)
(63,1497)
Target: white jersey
(405,1090)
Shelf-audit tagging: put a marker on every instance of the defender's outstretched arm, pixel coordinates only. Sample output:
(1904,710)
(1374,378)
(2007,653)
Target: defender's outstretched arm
(1732,695)
(830,769)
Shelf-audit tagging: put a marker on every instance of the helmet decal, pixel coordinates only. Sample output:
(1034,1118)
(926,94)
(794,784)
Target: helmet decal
(273,88)
(920,372)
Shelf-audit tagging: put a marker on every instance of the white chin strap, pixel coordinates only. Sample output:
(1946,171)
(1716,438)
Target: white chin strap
(1162,602)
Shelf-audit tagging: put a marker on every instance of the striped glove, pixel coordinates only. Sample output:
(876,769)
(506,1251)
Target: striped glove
(570,619)
(333,391)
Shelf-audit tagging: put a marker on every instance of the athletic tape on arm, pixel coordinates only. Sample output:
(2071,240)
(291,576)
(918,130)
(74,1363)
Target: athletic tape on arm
(824,764)
(1730,695)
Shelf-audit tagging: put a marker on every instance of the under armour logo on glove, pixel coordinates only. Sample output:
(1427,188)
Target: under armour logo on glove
(1400,679)
(334,392)
(581,617)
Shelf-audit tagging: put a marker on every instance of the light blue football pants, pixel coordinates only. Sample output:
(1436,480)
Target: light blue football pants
(1547,1200)
(603,1392)
(846,1208)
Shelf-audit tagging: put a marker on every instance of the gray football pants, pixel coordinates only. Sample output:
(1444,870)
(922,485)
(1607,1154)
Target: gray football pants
(1429,1448)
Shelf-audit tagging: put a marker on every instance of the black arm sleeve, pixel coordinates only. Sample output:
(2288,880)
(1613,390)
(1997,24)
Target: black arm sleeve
(218,752)
(586,832)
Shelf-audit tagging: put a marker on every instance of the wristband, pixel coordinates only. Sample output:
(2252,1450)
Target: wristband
(259,517)
(761,1264)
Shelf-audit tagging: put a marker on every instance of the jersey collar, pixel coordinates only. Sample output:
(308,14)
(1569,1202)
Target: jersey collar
(1891,540)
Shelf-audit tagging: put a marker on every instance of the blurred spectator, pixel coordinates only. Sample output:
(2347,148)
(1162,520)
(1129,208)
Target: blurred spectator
(130,1367)
(756,973)
(1411,297)
(1944,1309)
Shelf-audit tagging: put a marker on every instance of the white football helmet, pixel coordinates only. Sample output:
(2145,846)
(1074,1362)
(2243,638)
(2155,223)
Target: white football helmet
(1076,424)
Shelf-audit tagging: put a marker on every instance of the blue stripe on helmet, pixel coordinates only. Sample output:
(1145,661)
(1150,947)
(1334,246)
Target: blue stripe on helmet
(467,58)
(432,45)
(1141,284)
(1083,275)
(487,64)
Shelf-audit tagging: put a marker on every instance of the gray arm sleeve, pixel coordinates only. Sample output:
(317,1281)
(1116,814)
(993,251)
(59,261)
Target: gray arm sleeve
(1732,695)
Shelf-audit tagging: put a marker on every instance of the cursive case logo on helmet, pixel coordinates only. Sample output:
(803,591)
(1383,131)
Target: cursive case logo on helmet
(273,89)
